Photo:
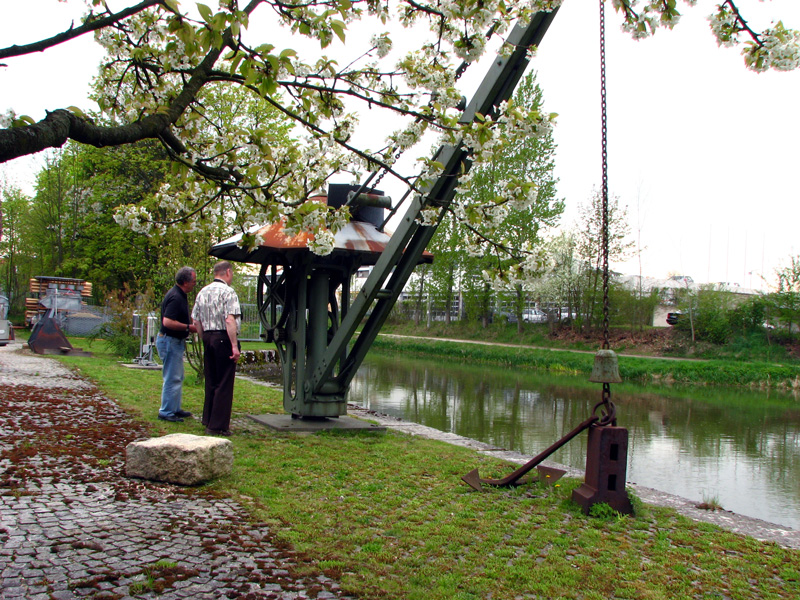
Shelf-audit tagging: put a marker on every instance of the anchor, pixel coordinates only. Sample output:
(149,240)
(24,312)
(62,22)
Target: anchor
(548,474)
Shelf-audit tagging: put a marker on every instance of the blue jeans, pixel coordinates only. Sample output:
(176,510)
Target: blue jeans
(171,350)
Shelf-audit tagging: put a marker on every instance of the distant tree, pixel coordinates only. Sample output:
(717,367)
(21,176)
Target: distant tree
(786,300)
(447,268)
(15,261)
(71,229)
(52,213)
(566,276)
(501,242)
(711,312)
(590,250)
(749,316)
(630,307)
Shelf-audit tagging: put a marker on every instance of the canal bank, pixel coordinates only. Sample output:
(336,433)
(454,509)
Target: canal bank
(692,509)
(741,524)
(632,367)
(708,443)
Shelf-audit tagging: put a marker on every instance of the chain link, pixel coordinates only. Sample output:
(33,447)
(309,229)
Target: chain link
(383,172)
(604,129)
(610,416)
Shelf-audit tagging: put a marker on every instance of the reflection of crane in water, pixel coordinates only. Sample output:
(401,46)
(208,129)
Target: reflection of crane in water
(298,292)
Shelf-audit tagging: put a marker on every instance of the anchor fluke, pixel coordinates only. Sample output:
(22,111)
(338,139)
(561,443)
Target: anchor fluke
(473,480)
(547,475)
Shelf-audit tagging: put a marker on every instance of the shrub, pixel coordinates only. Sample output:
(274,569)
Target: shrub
(118,331)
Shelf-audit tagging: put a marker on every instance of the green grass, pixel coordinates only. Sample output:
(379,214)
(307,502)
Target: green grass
(388,516)
(141,388)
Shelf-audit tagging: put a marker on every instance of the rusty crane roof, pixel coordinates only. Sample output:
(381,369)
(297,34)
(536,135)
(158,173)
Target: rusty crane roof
(355,237)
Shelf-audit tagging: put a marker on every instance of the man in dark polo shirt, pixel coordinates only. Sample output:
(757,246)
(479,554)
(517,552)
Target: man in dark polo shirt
(176,325)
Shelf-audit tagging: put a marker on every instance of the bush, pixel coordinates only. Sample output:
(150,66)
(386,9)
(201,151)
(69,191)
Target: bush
(118,331)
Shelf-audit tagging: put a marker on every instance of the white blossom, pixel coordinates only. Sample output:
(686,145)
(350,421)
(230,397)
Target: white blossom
(781,49)
(7,118)
(323,243)
(382,44)
(428,217)
(135,218)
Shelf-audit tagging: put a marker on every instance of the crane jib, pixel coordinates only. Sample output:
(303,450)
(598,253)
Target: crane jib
(409,241)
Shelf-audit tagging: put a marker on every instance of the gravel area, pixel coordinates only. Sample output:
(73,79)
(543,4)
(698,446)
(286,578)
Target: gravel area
(72,526)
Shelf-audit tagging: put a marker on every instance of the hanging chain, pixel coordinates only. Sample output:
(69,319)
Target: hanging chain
(604,128)
(611,416)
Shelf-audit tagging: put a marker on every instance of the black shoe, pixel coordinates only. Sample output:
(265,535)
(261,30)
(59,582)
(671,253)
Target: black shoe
(172,419)
(225,432)
(184,414)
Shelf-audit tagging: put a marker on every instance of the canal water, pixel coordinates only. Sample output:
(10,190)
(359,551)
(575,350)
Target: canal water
(739,448)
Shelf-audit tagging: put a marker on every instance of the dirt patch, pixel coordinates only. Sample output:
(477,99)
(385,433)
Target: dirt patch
(649,342)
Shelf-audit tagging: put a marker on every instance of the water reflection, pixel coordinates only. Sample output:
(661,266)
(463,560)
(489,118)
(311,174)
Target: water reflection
(740,447)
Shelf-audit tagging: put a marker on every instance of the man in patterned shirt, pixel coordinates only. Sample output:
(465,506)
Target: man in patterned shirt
(218,318)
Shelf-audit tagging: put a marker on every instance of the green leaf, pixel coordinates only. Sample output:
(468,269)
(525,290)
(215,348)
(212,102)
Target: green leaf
(288,52)
(252,75)
(76,111)
(338,28)
(204,39)
(220,22)
(205,12)
(264,48)
(235,62)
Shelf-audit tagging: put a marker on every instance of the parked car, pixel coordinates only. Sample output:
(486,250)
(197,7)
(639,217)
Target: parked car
(673,317)
(534,315)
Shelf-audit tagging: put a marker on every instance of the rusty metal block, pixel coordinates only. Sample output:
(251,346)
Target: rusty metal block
(606,469)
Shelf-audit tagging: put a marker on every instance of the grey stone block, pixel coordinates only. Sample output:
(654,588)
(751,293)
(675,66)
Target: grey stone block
(179,458)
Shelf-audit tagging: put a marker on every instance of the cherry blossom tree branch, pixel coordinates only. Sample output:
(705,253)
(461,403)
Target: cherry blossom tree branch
(60,125)
(92,23)
(743,23)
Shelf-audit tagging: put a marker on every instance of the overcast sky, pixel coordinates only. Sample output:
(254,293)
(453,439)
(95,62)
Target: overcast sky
(703,152)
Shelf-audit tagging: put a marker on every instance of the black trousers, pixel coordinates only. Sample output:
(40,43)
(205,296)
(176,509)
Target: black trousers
(220,373)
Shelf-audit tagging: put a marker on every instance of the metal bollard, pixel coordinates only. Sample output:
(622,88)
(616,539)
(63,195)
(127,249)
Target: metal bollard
(606,467)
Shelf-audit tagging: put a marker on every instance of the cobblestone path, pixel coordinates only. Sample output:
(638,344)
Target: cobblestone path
(72,526)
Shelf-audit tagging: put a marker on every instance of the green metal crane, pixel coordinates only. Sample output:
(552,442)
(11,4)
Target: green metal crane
(304,301)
